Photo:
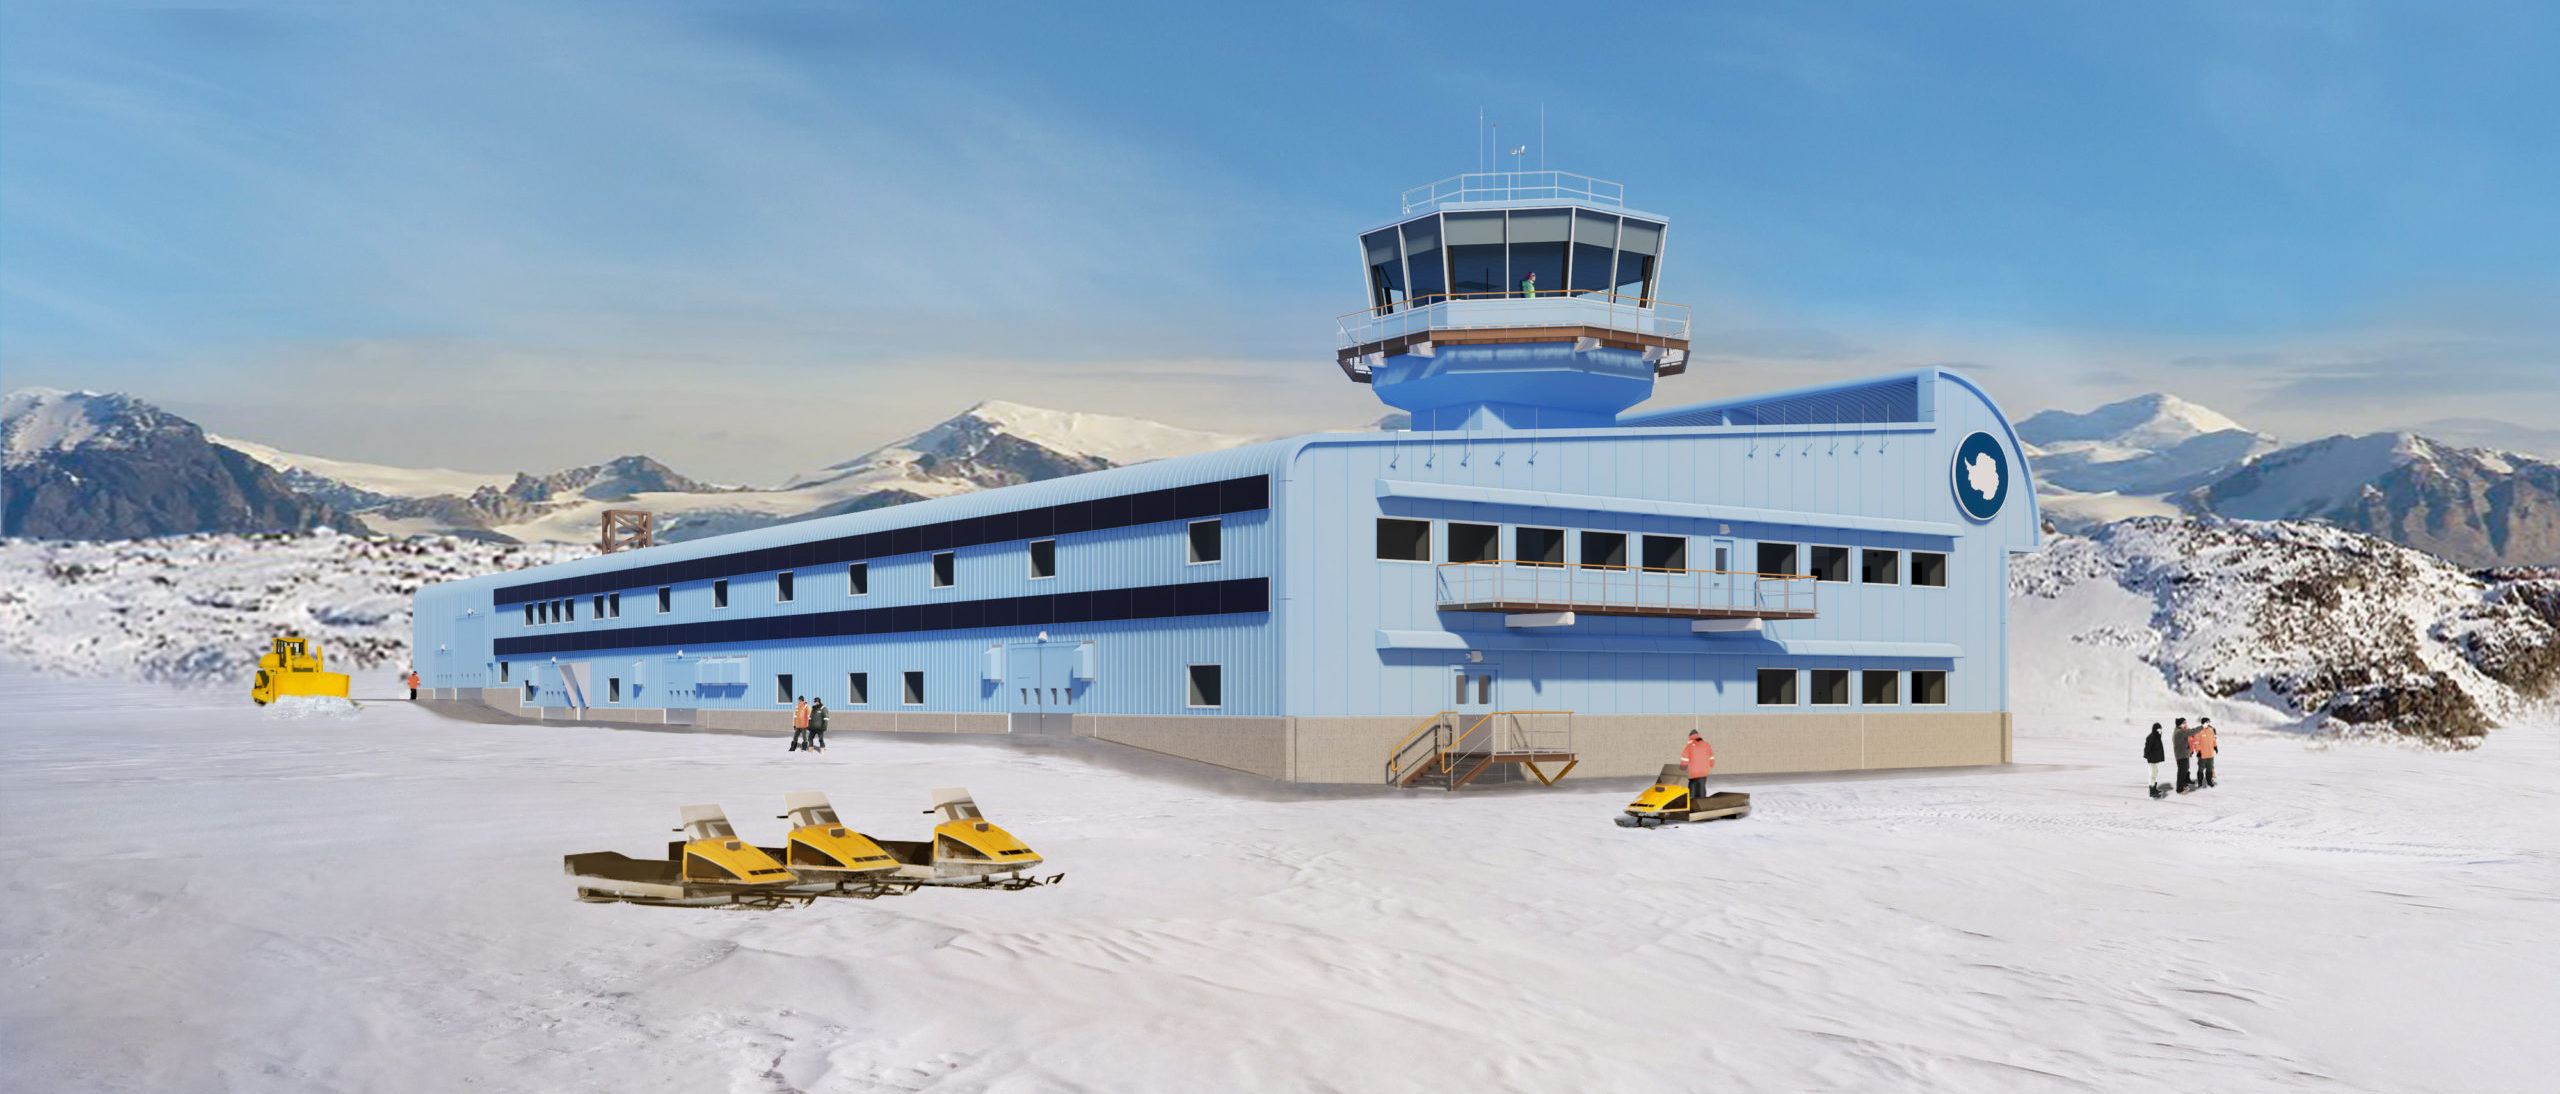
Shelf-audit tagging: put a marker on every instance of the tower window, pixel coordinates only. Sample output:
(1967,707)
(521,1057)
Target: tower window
(1605,549)
(1401,540)
(1830,687)
(1475,253)
(1929,687)
(1829,563)
(1422,261)
(1044,558)
(1777,687)
(857,579)
(914,688)
(1777,558)
(1879,567)
(1473,542)
(1666,552)
(1537,239)
(1538,546)
(1205,686)
(1208,541)
(946,569)
(1929,568)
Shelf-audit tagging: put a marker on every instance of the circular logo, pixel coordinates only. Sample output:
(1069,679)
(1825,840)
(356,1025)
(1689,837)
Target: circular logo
(1981,476)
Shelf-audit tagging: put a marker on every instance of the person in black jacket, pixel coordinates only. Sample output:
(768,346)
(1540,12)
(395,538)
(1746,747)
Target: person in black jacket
(2153,753)
(817,725)
(2183,741)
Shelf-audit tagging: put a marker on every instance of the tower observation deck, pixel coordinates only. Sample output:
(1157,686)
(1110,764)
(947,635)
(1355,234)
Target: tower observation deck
(1514,300)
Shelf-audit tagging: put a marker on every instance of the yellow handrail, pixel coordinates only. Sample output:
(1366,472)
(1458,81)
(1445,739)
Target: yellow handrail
(1644,569)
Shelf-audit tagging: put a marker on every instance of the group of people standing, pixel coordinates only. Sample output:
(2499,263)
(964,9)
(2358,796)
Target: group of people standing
(2196,743)
(809,725)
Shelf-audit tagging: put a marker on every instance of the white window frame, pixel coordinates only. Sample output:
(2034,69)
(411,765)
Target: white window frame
(1187,544)
(1031,560)
(1191,684)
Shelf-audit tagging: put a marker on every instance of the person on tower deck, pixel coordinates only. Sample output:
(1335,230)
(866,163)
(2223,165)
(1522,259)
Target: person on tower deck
(1529,285)
(817,725)
(2183,741)
(2153,753)
(800,724)
(1700,758)
(413,685)
(2206,742)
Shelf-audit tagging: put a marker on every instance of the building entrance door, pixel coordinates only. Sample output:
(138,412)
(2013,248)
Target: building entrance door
(1472,690)
(1039,686)
(1723,585)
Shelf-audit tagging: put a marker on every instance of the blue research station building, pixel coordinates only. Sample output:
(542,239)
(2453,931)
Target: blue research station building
(1534,576)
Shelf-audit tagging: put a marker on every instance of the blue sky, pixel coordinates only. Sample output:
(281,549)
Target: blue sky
(752,237)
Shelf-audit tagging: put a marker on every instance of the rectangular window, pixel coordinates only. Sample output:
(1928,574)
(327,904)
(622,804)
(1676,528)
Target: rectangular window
(946,569)
(1929,568)
(857,579)
(614,602)
(1666,552)
(1879,689)
(1460,698)
(528,615)
(782,687)
(1205,685)
(720,593)
(1829,563)
(915,689)
(613,689)
(502,672)
(1777,558)
(1402,540)
(1608,549)
(1538,546)
(1879,567)
(1929,687)
(1830,687)
(1777,687)
(666,599)
(568,611)
(857,688)
(1044,558)
(782,587)
(1208,541)
(1473,542)
(531,695)
(599,612)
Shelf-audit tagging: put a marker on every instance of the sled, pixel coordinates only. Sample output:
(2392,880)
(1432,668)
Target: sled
(1667,802)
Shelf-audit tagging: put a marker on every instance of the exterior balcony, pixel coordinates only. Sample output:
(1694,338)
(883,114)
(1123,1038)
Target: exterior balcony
(1552,590)
(1655,332)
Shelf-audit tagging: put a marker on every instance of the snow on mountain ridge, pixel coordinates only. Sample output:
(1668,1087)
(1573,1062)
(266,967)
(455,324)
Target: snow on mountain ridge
(37,422)
(2154,445)
(373,478)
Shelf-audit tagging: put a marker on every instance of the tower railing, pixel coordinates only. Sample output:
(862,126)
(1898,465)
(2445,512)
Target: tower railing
(1494,310)
(1491,186)
(1511,586)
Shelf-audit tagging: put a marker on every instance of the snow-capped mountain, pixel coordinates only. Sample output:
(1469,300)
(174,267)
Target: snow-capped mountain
(996,444)
(2473,506)
(2150,444)
(2341,630)
(90,465)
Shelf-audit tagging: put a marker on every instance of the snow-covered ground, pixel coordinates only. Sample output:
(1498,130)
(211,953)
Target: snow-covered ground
(202,897)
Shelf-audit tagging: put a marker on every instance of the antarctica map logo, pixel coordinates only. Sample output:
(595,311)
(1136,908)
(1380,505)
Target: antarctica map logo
(1982,476)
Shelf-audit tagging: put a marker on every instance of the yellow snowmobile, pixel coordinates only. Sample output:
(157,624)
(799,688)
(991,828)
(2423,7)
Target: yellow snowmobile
(966,850)
(1667,802)
(829,859)
(293,668)
(710,867)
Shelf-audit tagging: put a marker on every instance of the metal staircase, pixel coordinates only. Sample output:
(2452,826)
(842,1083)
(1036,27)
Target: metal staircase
(1451,749)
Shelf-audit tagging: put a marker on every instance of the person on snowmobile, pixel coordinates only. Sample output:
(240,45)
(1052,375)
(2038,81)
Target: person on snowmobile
(1700,758)
(2207,741)
(2183,740)
(800,724)
(2153,753)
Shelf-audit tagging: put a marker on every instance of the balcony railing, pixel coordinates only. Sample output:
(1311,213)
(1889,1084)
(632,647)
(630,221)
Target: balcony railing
(1488,311)
(1514,186)
(1618,590)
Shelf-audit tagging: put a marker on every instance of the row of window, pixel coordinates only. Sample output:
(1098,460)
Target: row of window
(1830,687)
(1205,543)
(1205,687)
(1404,540)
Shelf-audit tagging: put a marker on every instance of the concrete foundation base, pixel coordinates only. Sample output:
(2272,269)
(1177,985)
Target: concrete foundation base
(1354,750)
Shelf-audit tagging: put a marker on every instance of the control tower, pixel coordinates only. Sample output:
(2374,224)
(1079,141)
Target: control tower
(1514,300)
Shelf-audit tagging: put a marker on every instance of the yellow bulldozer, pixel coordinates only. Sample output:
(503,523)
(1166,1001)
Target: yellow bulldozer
(293,668)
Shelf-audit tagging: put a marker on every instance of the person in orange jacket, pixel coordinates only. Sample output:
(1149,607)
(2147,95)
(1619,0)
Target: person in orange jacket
(800,724)
(413,685)
(2206,741)
(1700,758)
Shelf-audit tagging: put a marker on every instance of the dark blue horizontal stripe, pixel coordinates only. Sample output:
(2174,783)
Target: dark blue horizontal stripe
(1207,499)
(1250,594)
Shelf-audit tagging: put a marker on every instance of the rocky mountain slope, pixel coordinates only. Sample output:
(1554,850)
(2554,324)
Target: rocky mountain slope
(2472,506)
(86,465)
(2342,631)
